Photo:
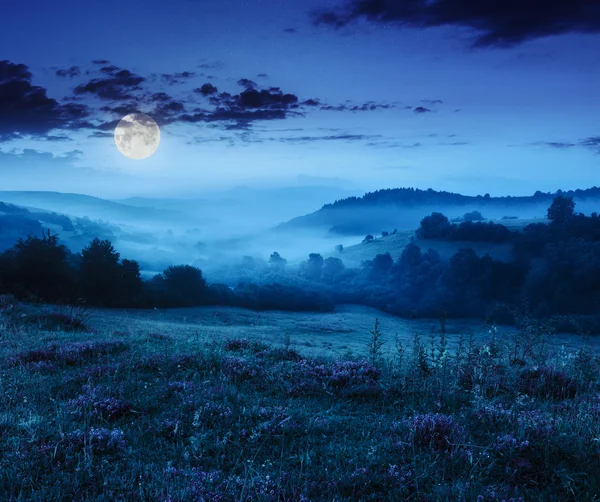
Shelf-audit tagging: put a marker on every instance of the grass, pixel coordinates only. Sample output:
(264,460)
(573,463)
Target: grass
(163,411)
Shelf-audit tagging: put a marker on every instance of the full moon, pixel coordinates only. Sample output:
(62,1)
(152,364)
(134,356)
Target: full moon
(137,136)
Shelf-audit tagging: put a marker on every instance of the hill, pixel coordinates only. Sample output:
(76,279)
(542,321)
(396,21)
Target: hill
(403,208)
(85,205)
(394,244)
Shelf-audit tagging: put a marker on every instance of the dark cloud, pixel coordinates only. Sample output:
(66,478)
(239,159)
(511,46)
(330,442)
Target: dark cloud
(110,69)
(262,75)
(421,109)
(559,145)
(592,143)
(432,102)
(247,83)
(160,96)
(291,31)
(497,22)
(250,105)
(118,86)
(333,137)
(101,61)
(25,109)
(368,106)
(217,65)
(71,72)
(177,78)
(14,71)
(311,102)
(206,90)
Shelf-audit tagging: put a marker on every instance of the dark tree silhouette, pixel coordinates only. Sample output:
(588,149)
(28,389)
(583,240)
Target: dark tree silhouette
(435,226)
(184,285)
(40,266)
(561,210)
(100,273)
(332,268)
(313,268)
(277,262)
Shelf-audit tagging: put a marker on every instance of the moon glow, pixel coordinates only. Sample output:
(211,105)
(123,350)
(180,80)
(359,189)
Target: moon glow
(137,136)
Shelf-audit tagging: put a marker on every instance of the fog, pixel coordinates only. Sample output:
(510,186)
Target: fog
(219,229)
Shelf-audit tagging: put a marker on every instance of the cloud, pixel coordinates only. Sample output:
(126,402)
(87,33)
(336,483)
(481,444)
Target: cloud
(496,23)
(262,75)
(559,145)
(25,109)
(368,106)
(101,61)
(421,109)
(31,159)
(206,90)
(216,65)
(101,134)
(118,85)
(57,138)
(250,105)
(593,143)
(290,31)
(333,137)
(71,72)
(177,78)
(247,83)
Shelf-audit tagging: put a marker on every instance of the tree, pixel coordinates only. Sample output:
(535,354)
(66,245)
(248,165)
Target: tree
(40,266)
(332,268)
(381,266)
(384,233)
(131,282)
(368,239)
(473,216)
(277,262)
(561,210)
(339,248)
(185,286)
(313,268)
(100,273)
(435,226)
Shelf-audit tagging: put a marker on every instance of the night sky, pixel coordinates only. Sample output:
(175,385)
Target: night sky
(472,96)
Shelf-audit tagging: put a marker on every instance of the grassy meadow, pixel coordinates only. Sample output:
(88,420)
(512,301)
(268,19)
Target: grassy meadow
(210,404)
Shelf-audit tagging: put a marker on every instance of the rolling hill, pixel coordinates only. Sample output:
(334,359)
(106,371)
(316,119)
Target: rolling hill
(395,243)
(85,205)
(403,208)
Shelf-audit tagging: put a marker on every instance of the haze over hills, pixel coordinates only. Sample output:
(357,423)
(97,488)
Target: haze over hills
(81,205)
(221,227)
(403,208)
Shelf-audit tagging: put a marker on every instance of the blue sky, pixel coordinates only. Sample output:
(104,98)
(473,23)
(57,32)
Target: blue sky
(367,96)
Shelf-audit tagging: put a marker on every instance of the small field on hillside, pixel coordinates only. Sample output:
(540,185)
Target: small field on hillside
(395,244)
(231,405)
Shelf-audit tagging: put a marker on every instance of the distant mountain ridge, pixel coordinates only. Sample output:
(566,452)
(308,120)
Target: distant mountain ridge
(84,205)
(403,208)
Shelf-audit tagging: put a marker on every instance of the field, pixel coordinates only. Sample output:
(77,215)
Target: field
(211,404)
